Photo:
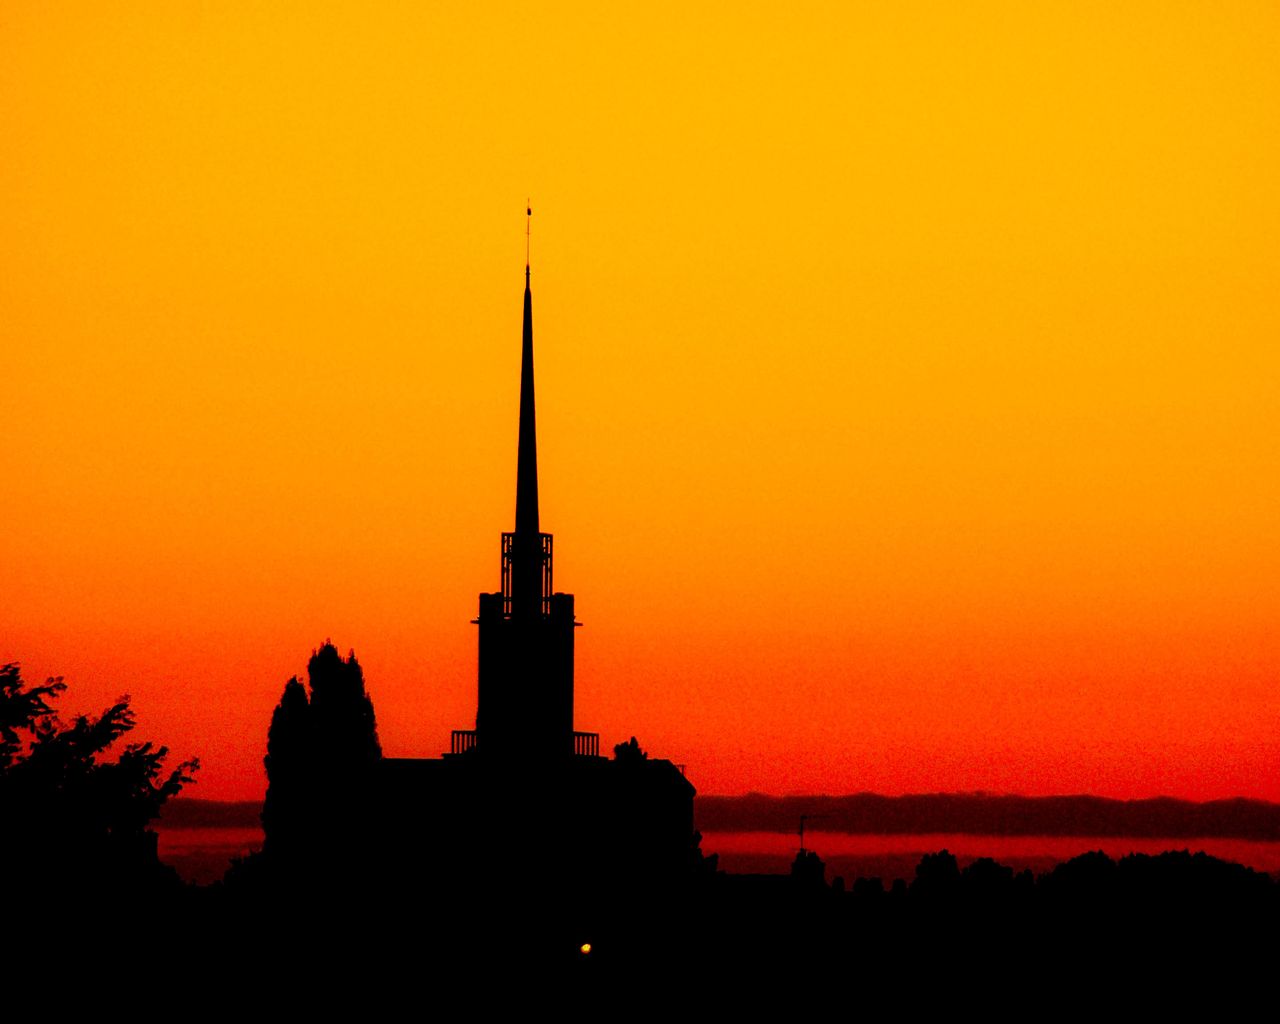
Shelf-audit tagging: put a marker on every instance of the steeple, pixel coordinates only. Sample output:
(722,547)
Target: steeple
(527,551)
(525,704)
(527,461)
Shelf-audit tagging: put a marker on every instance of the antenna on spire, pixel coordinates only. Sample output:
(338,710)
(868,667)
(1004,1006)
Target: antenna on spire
(528,220)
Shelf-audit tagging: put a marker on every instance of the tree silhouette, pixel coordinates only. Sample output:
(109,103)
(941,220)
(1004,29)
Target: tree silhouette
(343,726)
(73,822)
(288,754)
(937,876)
(320,747)
(629,752)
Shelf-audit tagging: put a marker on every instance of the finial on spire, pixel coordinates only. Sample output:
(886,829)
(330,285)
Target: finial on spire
(528,220)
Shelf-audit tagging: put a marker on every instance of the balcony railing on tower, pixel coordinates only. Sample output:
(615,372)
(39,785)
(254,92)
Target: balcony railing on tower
(463,741)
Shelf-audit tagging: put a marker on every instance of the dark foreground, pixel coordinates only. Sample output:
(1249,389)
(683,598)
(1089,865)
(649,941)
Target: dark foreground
(1137,933)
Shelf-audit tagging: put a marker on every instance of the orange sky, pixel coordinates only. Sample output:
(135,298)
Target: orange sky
(907,376)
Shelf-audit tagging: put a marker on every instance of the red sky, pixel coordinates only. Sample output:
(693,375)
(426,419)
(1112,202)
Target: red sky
(907,377)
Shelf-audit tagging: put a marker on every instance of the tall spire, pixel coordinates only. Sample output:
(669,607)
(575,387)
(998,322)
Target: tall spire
(527,462)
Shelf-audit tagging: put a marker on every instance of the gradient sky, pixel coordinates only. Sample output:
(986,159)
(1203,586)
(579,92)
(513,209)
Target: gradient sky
(908,376)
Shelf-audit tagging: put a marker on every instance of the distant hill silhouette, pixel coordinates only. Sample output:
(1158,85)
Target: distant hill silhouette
(191,812)
(983,814)
(870,813)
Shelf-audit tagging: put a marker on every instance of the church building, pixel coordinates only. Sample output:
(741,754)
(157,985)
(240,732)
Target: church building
(524,791)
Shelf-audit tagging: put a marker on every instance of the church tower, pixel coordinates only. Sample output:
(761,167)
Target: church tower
(525,705)
(523,770)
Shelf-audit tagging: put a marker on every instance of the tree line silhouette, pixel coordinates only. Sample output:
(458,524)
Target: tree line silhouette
(76,842)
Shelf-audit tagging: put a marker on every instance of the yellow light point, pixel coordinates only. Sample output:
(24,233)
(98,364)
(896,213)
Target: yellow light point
(585,948)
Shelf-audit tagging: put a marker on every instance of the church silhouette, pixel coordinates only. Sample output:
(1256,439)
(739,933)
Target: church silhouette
(525,704)
(523,793)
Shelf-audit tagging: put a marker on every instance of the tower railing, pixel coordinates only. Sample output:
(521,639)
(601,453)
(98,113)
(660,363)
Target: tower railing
(585,744)
(463,740)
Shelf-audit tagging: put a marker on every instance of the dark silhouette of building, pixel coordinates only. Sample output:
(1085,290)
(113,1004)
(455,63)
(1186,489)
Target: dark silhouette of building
(525,704)
(523,794)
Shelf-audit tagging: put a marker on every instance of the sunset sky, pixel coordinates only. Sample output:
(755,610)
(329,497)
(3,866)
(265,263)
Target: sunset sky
(908,376)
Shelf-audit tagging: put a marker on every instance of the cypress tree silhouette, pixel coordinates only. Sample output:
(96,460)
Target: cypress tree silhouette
(283,814)
(344,729)
(320,749)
